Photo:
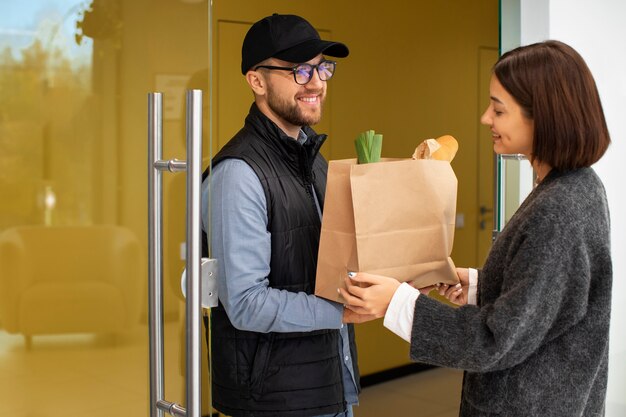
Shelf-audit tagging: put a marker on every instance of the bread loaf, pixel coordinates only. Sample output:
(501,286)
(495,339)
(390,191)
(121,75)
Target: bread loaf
(443,148)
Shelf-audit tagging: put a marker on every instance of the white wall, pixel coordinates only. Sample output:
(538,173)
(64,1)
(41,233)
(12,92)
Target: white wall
(597,31)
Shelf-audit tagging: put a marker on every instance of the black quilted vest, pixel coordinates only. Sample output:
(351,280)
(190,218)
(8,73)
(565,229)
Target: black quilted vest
(280,374)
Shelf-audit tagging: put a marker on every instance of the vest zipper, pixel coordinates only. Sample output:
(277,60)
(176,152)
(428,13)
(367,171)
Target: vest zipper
(307,180)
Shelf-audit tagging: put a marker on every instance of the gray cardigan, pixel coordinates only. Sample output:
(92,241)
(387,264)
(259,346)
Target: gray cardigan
(537,342)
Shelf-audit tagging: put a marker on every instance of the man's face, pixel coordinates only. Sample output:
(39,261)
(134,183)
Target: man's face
(294,104)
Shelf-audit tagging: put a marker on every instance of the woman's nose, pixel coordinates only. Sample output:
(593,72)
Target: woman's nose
(486,117)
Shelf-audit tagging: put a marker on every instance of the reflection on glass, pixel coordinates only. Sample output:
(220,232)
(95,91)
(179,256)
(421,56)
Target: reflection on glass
(515,182)
(45,79)
(73,331)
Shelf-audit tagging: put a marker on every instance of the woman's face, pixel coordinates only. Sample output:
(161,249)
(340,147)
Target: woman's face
(512,131)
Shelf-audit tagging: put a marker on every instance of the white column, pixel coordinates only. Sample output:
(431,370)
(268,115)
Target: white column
(597,31)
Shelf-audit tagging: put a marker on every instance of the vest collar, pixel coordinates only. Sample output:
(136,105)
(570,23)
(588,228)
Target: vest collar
(290,149)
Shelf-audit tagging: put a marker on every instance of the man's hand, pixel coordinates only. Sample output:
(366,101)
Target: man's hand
(350,316)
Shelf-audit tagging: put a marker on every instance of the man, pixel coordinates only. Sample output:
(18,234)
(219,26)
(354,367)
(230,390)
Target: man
(277,350)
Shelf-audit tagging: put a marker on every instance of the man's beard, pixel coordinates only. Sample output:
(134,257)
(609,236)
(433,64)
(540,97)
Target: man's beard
(291,112)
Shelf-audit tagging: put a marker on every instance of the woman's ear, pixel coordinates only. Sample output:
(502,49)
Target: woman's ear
(257,82)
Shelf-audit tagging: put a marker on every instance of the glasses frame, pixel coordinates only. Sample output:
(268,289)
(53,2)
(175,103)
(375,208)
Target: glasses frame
(310,72)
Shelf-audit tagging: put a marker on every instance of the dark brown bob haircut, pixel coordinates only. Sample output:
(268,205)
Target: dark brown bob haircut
(554,87)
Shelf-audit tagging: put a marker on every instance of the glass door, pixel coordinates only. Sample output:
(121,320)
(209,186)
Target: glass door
(74,78)
(514,180)
(514,176)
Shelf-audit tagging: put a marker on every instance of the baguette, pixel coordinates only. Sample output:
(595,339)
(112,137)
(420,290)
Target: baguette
(443,148)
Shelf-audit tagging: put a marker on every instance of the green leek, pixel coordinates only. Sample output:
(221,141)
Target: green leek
(368,147)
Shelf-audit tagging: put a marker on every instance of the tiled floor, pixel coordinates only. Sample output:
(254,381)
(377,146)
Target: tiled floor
(432,393)
(80,376)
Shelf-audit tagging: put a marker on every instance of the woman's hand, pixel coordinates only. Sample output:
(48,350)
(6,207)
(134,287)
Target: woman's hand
(423,290)
(369,294)
(456,294)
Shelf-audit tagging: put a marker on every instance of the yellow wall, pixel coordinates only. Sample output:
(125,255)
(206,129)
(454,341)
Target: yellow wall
(412,74)
(80,133)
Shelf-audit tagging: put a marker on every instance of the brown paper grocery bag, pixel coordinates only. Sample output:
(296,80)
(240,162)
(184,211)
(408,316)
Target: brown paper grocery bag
(394,218)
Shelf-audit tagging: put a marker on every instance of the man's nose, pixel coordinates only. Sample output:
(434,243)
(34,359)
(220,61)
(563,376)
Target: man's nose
(315,81)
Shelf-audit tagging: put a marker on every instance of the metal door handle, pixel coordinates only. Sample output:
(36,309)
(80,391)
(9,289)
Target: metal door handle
(193,317)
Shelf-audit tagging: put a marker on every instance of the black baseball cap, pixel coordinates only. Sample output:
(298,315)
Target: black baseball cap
(287,37)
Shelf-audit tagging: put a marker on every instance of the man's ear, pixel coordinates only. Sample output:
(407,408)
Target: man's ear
(257,82)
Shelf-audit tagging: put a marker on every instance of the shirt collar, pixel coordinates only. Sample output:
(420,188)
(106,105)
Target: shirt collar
(302,137)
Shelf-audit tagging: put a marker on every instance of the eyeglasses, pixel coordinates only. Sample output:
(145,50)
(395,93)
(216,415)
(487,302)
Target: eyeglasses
(302,73)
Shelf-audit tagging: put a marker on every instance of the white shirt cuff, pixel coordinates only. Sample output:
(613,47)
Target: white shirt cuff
(399,315)
(473,286)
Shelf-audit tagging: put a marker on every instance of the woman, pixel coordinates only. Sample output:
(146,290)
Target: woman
(532,332)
